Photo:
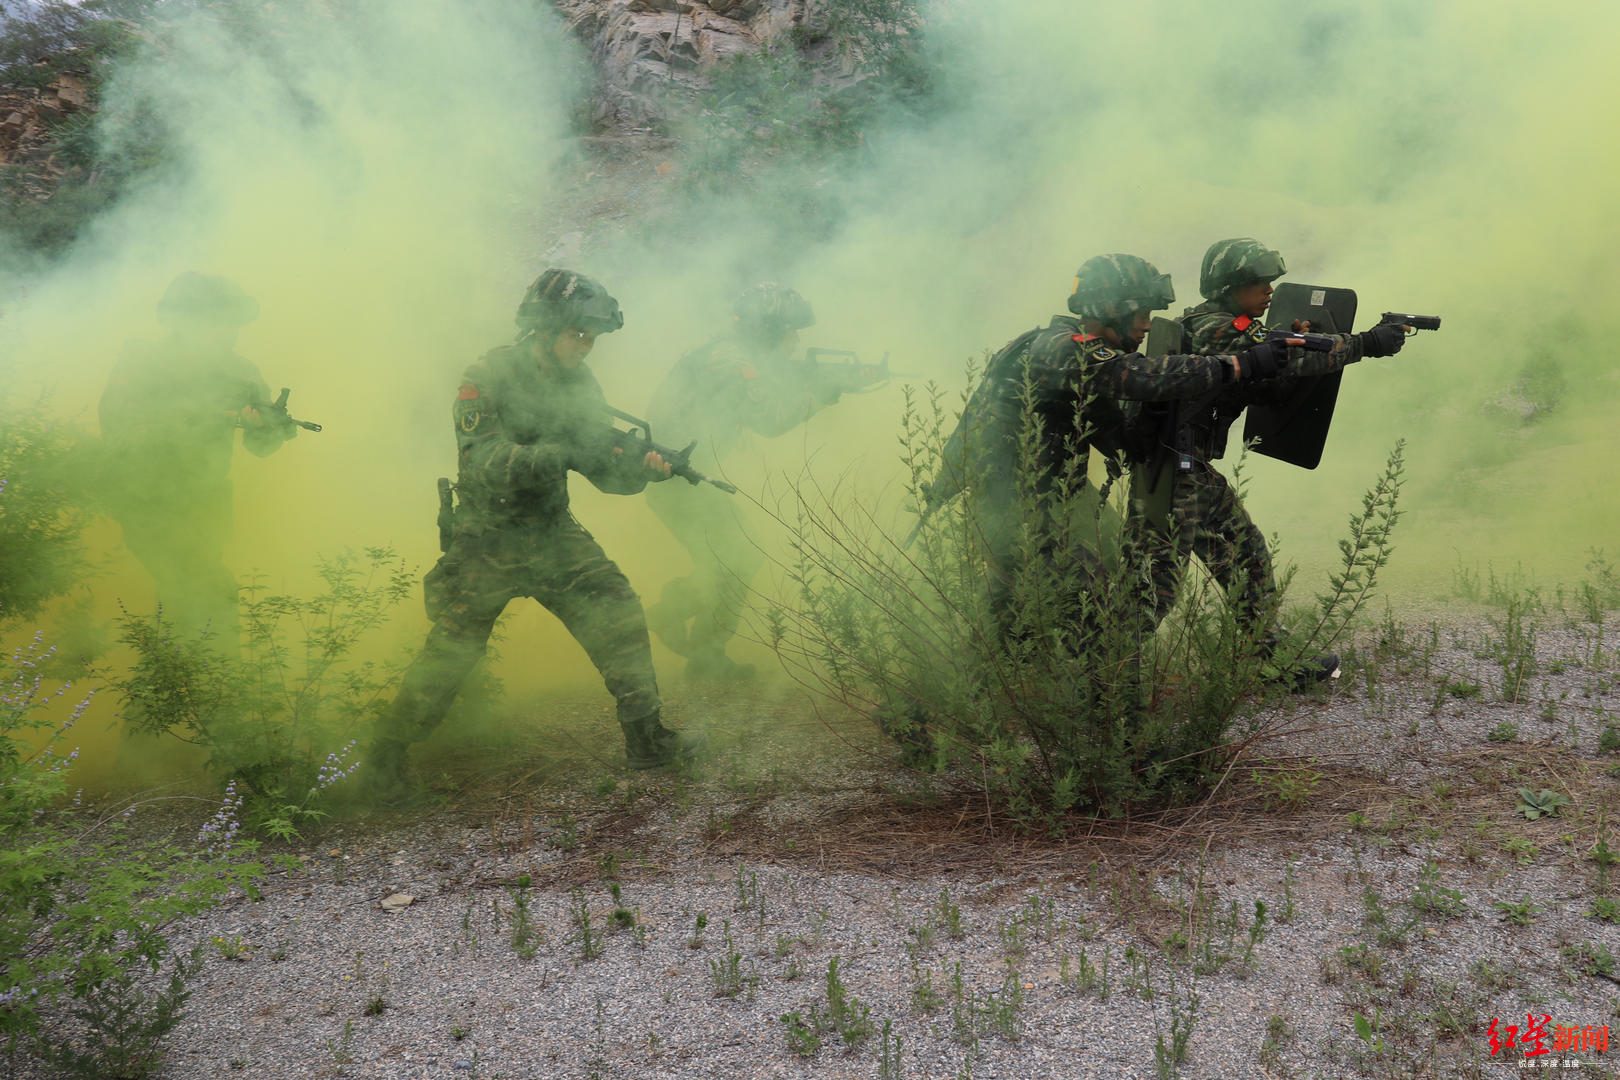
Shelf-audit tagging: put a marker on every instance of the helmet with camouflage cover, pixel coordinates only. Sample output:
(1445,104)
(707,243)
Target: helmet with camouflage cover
(1112,287)
(562,298)
(1232,264)
(194,298)
(767,310)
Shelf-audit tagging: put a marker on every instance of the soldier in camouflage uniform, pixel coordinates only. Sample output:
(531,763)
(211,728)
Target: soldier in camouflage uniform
(753,381)
(525,415)
(1080,375)
(168,421)
(1209,521)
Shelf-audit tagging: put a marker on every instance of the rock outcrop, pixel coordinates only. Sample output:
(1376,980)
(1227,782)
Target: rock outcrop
(29,119)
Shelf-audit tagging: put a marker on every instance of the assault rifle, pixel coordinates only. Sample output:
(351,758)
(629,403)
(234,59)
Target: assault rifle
(639,440)
(848,375)
(275,413)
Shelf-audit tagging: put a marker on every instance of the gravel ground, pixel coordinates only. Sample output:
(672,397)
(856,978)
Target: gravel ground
(960,943)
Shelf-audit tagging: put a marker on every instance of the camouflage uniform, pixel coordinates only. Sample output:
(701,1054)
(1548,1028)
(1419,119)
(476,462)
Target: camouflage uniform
(1080,389)
(750,383)
(168,422)
(1209,519)
(520,428)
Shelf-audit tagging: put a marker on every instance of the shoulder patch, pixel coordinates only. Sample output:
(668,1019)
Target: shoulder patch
(468,392)
(1242,322)
(1082,338)
(469,413)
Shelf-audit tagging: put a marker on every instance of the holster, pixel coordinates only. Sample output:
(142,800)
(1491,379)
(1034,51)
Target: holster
(447,513)
(1161,463)
(436,583)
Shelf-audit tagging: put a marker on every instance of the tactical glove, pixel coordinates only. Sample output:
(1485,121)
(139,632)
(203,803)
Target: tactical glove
(1264,361)
(1384,339)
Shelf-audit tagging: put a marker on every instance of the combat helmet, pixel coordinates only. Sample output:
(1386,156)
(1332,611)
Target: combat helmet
(561,298)
(767,310)
(1232,264)
(205,298)
(1109,288)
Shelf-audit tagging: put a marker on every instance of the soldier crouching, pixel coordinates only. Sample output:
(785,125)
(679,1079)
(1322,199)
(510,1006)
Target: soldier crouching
(525,415)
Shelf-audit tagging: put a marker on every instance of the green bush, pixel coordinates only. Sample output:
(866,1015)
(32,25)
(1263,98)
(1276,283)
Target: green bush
(1065,701)
(86,906)
(279,719)
(43,491)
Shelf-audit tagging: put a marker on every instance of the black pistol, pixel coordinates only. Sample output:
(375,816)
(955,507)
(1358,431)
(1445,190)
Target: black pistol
(1313,342)
(1416,322)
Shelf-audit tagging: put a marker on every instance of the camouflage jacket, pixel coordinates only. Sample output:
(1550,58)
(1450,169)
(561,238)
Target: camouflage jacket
(1082,390)
(1210,330)
(168,419)
(720,392)
(519,429)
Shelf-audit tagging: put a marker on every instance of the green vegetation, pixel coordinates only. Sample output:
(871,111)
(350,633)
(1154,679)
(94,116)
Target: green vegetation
(44,494)
(843,1015)
(1543,803)
(1055,702)
(43,45)
(274,718)
(86,905)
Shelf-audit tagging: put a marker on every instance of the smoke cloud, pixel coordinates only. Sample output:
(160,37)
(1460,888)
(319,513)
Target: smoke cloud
(385,177)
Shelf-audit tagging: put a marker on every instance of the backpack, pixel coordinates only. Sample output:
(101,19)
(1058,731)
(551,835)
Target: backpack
(958,458)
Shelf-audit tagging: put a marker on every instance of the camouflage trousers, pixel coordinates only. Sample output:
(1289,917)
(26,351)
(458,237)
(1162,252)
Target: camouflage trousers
(562,566)
(709,524)
(1209,521)
(1095,567)
(182,545)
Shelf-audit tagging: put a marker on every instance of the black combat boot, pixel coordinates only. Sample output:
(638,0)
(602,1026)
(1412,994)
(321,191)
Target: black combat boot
(648,744)
(1302,672)
(1317,669)
(1305,673)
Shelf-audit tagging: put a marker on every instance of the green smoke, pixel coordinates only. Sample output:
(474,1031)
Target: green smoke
(385,177)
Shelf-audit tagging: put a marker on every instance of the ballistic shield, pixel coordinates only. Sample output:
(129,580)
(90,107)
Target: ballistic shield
(1295,429)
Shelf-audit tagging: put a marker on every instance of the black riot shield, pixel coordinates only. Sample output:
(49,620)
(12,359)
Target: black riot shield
(1295,430)
(1152,480)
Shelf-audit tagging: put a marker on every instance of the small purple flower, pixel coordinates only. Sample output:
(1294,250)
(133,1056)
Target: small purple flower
(219,831)
(335,769)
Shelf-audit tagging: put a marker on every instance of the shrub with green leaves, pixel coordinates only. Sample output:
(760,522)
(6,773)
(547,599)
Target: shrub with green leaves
(86,905)
(1061,698)
(43,492)
(279,720)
